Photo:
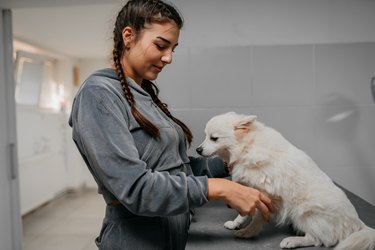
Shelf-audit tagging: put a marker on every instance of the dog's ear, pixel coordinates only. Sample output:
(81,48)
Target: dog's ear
(246,122)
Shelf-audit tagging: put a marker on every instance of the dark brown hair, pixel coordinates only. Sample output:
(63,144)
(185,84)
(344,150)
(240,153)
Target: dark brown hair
(135,14)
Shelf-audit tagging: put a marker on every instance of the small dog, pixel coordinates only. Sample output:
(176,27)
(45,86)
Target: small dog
(260,157)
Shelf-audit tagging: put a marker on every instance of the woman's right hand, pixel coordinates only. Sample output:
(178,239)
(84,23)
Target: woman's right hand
(245,200)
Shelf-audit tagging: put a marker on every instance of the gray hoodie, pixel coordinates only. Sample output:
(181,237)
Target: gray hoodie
(149,176)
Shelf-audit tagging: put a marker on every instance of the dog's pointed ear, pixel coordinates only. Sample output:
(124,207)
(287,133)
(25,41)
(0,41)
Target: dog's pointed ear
(246,122)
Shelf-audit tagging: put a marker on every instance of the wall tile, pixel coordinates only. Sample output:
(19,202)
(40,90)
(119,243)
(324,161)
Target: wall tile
(283,75)
(221,77)
(346,136)
(364,143)
(343,73)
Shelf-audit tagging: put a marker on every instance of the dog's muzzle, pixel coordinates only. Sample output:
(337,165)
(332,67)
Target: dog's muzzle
(199,150)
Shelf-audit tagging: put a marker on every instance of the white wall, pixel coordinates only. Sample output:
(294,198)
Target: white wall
(43,173)
(274,22)
(48,162)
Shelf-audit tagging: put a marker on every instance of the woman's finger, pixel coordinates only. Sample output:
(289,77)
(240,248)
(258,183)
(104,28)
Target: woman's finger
(264,210)
(267,201)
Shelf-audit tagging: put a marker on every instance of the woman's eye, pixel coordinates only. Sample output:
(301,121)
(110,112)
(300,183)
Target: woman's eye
(163,47)
(213,138)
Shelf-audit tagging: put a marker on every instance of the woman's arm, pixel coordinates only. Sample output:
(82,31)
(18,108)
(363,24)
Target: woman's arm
(239,197)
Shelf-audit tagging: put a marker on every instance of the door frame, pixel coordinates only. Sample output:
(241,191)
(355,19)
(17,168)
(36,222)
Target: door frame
(10,216)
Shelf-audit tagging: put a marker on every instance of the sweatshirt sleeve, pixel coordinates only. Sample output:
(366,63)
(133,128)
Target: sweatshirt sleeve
(101,127)
(212,167)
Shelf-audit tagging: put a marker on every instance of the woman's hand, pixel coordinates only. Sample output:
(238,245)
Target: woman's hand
(245,200)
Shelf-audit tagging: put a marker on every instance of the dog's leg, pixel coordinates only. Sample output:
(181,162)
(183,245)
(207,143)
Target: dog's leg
(254,227)
(299,241)
(236,223)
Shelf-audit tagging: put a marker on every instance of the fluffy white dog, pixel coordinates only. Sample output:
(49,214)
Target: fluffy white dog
(260,157)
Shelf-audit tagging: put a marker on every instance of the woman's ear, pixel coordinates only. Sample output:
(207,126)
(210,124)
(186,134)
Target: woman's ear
(128,36)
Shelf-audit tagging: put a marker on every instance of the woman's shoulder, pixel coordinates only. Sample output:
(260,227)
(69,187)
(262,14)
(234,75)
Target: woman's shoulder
(104,80)
(102,77)
(105,73)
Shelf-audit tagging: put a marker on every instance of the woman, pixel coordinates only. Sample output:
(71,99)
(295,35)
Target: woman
(134,147)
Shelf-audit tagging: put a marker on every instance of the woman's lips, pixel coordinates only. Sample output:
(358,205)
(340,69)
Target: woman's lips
(158,69)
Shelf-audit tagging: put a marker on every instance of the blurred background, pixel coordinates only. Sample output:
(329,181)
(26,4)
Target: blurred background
(303,67)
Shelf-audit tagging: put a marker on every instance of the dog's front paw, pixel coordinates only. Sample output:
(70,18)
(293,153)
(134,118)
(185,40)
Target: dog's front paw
(231,225)
(244,233)
(299,241)
(290,242)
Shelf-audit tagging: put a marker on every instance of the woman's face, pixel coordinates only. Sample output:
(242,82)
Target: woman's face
(146,55)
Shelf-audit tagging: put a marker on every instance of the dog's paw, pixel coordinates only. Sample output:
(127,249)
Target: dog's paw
(290,242)
(243,233)
(231,225)
(299,241)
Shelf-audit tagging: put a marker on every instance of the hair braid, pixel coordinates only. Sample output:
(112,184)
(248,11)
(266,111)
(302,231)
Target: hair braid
(137,13)
(146,124)
(153,90)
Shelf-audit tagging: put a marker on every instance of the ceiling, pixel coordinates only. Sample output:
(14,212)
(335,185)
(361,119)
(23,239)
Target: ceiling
(74,28)
(49,3)
(75,31)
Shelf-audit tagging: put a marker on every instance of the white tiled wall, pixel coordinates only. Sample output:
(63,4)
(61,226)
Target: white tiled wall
(215,71)
(318,96)
(343,73)
(283,75)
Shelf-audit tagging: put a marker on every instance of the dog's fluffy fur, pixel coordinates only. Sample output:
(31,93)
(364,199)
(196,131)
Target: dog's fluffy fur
(305,197)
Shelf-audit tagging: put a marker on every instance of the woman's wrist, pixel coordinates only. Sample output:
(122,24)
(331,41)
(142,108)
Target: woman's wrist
(216,188)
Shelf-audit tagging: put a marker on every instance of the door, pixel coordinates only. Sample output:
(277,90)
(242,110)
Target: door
(10,216)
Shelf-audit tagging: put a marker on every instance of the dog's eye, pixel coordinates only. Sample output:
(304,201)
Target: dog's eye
(213,138)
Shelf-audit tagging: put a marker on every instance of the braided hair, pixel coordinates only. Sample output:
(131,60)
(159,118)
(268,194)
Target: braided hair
(135,14)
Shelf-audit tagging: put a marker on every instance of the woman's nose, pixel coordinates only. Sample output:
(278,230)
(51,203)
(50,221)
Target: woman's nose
(167,58)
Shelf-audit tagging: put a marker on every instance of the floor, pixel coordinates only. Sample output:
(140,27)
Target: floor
(69,222)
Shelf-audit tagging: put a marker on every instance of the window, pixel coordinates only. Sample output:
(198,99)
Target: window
(35,82)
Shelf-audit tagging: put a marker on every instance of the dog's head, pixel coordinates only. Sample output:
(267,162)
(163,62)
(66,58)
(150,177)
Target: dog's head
(223,132)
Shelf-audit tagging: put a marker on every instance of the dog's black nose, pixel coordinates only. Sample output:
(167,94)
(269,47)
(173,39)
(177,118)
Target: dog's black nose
(199,150)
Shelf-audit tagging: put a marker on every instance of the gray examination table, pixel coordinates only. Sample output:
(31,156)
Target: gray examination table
(207,230)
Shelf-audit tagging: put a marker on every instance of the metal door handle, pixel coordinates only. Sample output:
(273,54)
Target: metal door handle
(373,87)
(13,161)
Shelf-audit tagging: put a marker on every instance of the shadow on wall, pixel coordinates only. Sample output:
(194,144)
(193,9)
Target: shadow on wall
(342,124)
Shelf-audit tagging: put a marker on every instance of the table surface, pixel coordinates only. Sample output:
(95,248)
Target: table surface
(207,230)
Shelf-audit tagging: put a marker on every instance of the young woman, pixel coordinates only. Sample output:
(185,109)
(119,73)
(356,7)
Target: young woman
(137,150)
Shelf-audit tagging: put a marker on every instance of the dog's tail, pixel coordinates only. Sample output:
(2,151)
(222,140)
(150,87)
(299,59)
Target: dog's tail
(363,239)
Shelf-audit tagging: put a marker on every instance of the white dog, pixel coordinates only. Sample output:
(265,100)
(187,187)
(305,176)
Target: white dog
(260,157)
